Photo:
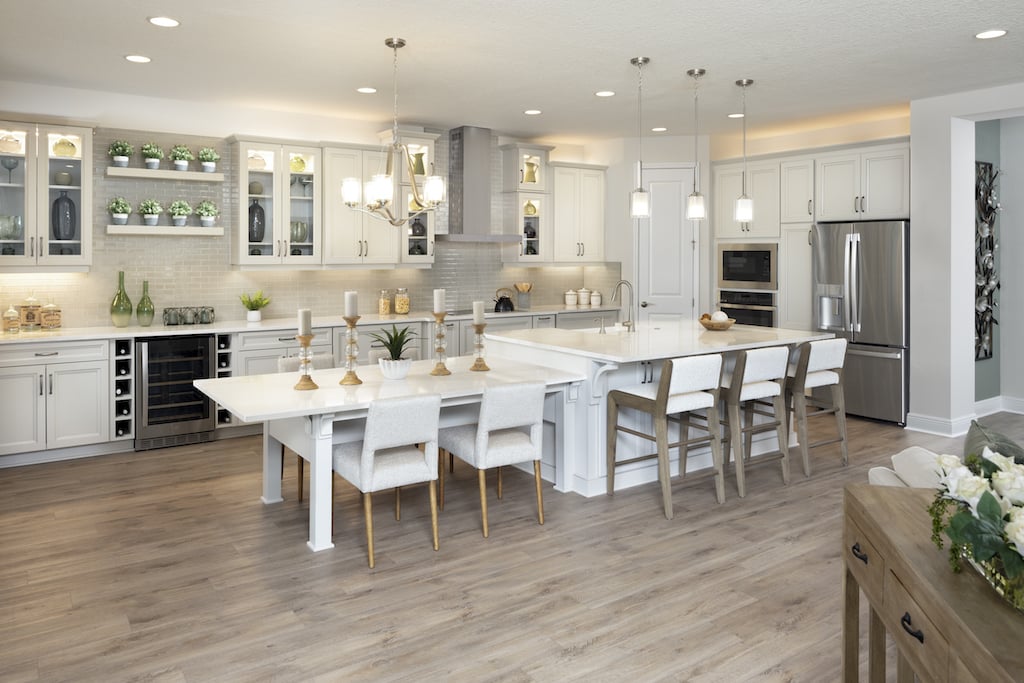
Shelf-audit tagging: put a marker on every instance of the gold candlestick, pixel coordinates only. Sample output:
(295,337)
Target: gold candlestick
(439,346)
(351,351)
(478,346)
(305,363)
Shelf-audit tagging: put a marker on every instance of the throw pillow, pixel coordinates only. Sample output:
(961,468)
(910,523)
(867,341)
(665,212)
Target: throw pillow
(979,436)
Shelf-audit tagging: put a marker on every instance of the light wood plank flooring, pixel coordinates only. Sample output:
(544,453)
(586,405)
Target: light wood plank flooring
(165,566)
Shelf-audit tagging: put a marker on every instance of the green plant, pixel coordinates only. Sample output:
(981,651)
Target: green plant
(181,153)
(207,209)
(395,340)
(208,154)
(150,207)
(119,205)
(254,302)
(180,208)
(151,150)
(120,148)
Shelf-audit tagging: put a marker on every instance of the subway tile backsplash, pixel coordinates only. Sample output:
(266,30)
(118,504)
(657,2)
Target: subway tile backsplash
(184,270)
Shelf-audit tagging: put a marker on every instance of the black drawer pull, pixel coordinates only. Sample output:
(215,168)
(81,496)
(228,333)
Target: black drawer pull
(906,623)
(858,553)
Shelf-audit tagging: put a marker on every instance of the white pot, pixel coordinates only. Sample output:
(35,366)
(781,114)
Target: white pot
(207,221)
(254,316)
(119,218)
(179,221)
(209,166)
(180,165)
(584,296)
(394,369)
(152,163)
(150,218)
(119,161)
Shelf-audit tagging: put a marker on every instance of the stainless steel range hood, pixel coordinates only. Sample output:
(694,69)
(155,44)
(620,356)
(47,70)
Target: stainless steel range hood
(469,188)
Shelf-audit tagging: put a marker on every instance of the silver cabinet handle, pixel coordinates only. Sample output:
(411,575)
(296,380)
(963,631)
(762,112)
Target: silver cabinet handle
(40,384)
(862,209)
(32,247)
(366,248)
(809,238)
(855,209)
(51,384)
(286,339)
(808,207)
(431,247)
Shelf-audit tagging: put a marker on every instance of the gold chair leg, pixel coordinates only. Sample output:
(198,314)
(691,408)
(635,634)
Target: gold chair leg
(301,467)
(483,499)
(440,476)
(780,419)
(611,439)
(661,435)
(368,513)
(500,482)
(433,512)
(398,503)
(540,496)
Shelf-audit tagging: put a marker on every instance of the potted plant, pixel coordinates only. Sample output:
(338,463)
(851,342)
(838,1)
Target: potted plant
(395,341)
(152,153)
(119,209)
(208,157)
(181,155)
(207,212)
(253,303)
(119,152)
(150,210)
(180,210)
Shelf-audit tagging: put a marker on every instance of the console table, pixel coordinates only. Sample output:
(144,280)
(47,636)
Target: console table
(946,626)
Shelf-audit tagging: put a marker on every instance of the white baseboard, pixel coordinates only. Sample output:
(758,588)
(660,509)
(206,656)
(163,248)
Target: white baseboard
(955,427)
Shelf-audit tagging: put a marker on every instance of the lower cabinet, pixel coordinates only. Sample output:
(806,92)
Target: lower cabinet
(256,353)
(467,333)
(55,396)
(581,320)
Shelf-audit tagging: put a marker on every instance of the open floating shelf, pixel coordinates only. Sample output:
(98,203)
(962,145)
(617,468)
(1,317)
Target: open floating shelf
(165,230)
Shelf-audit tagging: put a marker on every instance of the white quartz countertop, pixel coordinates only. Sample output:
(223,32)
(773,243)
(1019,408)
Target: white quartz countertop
(654,340)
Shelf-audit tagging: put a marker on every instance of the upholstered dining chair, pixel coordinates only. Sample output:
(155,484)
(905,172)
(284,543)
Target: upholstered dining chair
(756,379)
(387,456)
(818,364)
(509,431)
(321,361)
(686,385)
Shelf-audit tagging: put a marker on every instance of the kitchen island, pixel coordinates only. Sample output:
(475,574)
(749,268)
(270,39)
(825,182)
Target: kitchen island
(620,358)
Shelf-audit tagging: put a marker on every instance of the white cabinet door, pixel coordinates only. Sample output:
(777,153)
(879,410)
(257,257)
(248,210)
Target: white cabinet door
(352,237)
(885,183)
(468,334)
(762,187)
(728,186)
(23,419)
(70,420)
(796,191)
(566,195)
(591,211)
(838,192)
(578,214)
(795,276)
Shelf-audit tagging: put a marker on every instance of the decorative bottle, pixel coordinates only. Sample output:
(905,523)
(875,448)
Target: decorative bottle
(257,221)
(121,306)
(145,311)
(12,321)
(63,217)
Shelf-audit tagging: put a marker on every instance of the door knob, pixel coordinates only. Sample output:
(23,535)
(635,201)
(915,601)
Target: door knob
(644,304)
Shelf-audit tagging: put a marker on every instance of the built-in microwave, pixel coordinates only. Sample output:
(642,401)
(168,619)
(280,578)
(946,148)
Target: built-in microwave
(747,266)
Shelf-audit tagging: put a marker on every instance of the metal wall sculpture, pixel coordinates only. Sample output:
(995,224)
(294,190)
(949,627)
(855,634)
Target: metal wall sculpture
(986,281)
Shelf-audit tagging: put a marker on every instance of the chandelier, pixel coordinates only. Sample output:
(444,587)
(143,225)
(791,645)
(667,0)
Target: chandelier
(378,196)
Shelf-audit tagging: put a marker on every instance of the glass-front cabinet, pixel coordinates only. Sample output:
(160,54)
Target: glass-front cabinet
(527,215)
(280,184)
(525,168)
(45,196)
(418,232)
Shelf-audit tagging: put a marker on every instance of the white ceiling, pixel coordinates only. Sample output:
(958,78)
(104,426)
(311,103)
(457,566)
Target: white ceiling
(482,62)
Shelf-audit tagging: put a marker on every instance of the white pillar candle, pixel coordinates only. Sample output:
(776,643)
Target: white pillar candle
(351,305)
(478,312)
(305,321)
(439,301)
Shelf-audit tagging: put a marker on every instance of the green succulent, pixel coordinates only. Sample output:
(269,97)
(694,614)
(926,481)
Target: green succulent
(254,302)
(396,340)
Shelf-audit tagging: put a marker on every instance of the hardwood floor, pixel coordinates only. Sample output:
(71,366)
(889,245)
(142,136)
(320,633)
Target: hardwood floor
(165,566)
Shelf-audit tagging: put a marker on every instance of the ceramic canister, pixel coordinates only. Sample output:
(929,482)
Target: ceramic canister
(570,298)
(584,296)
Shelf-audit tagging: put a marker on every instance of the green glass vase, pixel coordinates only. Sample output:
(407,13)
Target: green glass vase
(145,311)
(121,306)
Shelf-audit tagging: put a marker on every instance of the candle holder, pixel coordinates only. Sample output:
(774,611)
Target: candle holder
(439,346)
(478,348)
(305,363)
(351,351)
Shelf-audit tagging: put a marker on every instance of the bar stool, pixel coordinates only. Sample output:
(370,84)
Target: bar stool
(686,384)
(818,364)
(757,380)
(321,361)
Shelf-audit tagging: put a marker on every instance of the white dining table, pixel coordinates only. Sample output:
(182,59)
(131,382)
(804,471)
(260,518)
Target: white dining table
(310,422)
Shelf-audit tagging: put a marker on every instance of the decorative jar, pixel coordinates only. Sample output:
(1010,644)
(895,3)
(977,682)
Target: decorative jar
(64,217)
(384,302)
(145,310)
(401,300)
(121,306)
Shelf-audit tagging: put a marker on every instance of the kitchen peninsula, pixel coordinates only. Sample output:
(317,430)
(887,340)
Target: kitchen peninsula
(621,358)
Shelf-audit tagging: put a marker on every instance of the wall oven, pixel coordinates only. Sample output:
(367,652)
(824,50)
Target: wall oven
(749,308)
(172,412)
(747,266)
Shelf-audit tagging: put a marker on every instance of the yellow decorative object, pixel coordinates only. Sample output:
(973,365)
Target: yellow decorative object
(64,148)
(530,209)
(297,164)
(530,174)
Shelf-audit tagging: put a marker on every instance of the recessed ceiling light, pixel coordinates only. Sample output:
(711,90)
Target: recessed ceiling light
(735,116)
(164,22)
(659,129)
(994,33)
(605,93)
(532,112)
(367,90)
(138,59)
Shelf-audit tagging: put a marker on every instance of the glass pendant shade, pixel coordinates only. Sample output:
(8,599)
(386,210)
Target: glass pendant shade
(695,210)
(433,190)
(639,203)
(744,211)
(379,190)
(351,191)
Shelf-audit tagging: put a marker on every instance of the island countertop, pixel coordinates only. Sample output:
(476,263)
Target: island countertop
(652,341)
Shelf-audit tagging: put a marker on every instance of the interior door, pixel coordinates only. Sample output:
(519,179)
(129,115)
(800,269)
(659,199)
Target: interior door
(667,272)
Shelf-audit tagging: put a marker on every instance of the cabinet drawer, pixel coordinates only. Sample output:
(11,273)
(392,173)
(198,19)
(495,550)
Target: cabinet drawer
(64,352)
(918,639)
(863,560)
(281,339)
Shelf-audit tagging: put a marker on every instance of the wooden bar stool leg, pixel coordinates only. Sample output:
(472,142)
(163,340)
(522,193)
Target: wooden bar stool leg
(839,403)
(780,419)
(433,512)
(661,435)
(611,438)
(398,503)
(800,410)
(716,453)
(368,513)
(736,443)
(540,496)
(748,437)
(483,499)
(684,435)
(500,484)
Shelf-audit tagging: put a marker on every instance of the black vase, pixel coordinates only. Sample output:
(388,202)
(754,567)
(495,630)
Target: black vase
(63,217)
(417,228)
(257,221)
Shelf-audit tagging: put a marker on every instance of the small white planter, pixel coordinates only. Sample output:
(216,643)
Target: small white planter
(209,166)
(180,165)
(179,221)
(119,161)
(394,369)
(150,218)
(119,218)
(254,316)
(207,221)
(152,163)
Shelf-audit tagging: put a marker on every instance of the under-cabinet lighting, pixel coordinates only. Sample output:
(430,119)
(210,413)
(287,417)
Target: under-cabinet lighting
(659,129)
(366,90)
(164,22)
(605,93)
(532,112)
(987,35)
(138,59)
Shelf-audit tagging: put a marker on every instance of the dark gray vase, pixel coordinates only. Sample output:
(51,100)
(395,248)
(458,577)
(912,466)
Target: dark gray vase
(63,217)
(257,221)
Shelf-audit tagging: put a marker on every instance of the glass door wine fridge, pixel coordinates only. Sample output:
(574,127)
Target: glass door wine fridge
(173,412)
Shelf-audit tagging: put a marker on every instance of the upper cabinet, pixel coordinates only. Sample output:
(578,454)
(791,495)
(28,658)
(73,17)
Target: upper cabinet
(528,215)
(578,229)
(280,187)
(525,168)
(868,184)
(762,187)
(353,237)
(796,190)
(46,196)
(416,245)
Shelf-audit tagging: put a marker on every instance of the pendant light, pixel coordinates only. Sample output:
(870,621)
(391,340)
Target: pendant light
(639,199)
(744,211)
(695,210)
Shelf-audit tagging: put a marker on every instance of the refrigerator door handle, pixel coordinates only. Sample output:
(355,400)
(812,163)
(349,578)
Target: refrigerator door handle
(892,355)
(855,283)
(847,248)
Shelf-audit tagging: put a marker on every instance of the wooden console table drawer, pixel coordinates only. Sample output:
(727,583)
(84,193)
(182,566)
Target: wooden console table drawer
(918,639)
(865,562)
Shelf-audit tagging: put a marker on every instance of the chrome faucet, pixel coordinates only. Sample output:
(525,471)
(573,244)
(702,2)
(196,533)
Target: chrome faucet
(616,294)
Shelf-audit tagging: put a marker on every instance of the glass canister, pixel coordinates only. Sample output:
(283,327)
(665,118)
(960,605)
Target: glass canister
(30,311)
(402,300)
(50,316)
(12,321)
(384,302)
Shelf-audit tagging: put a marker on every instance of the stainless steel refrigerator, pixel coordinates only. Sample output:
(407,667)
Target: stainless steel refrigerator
(860,290)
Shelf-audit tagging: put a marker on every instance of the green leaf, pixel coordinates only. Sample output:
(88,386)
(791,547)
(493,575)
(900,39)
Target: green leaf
(988,508)
(1013,563)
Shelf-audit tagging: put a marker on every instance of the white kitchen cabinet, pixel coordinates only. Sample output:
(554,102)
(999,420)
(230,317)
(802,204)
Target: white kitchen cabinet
(545,320)
(45,170)
(578,230)
(762,188)
(795,277)
(468,334)
(281,183)
(353,237)
(524,168)
(44,386)
(416,246)
(870,183)
(584,319)
(528,215)
(123,387)
(417,235)
(256,353)
(796,190)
